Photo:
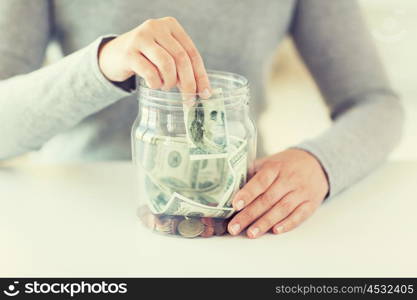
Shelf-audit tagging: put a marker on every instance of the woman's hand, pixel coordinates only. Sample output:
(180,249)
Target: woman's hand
(285,190)
(160,51)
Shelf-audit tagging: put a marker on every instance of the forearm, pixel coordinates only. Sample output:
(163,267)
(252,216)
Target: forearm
(38,105)
(359,140)
(334,42)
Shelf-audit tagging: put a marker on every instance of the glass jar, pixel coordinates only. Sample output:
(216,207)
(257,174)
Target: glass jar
(192,155)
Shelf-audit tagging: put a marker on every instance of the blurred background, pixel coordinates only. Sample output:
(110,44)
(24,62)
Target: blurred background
(295,108)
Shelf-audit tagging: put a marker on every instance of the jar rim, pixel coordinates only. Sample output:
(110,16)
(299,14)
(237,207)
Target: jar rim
(176,96)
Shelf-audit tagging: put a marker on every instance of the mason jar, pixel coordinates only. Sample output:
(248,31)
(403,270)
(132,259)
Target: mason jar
(192,155)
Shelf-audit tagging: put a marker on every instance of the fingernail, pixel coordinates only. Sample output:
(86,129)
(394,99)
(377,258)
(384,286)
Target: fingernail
(279,229)
(235,228)
(254,231)
(240,204)
(205,94)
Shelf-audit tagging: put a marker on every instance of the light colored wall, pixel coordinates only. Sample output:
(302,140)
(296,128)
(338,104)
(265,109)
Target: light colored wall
(295,109)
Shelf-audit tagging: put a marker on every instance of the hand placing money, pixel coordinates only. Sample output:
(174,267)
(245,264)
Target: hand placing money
(286,189)
(160,51)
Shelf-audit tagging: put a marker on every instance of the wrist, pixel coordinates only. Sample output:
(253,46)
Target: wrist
(319,166)
(128,84)
(101,56)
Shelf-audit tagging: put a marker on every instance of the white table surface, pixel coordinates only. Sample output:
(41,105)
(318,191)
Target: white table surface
(80,220)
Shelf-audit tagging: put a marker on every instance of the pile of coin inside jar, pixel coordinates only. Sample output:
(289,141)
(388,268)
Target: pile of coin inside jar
(188,227)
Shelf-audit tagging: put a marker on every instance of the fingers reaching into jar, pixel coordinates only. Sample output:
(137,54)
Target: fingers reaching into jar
(161,52)
(286,189)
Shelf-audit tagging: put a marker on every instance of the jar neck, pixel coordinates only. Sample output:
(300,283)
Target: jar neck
(230,88)
(161,118)
(228,100)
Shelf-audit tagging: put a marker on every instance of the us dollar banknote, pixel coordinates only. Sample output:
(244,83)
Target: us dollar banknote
(237,162)
(207,193)
(206,127)
(166,160)
(177,184)
(183,206)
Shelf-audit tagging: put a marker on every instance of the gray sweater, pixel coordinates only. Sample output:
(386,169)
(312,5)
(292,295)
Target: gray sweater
(69,111)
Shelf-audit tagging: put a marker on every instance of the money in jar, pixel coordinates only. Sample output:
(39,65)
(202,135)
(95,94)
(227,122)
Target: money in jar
(192,155)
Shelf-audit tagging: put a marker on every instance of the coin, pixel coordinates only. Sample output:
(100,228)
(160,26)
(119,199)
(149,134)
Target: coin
(190,228)
(207,221)
(208,232)
(150,221)
(147,218)
(166,224)
(220,227)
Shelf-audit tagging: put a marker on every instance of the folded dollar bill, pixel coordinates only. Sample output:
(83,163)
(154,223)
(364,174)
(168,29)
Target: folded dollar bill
(176,185)
(206,127)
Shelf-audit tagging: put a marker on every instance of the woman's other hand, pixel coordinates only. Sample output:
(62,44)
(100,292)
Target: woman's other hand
(286,189)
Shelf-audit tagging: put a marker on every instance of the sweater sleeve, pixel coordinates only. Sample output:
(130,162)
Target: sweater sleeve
(38,103)
(332,39)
